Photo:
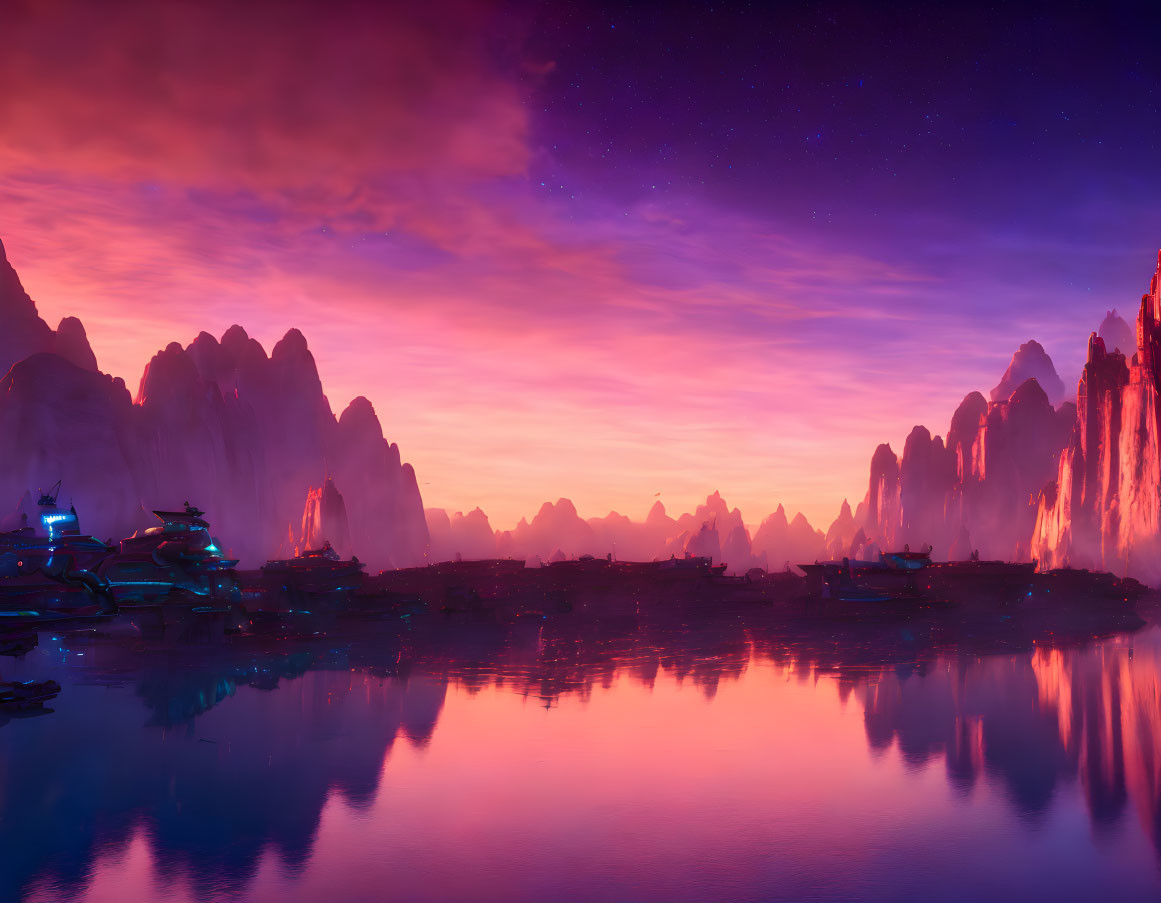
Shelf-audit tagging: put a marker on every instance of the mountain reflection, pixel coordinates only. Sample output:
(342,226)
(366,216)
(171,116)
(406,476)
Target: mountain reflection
(220,755)
(1033,721)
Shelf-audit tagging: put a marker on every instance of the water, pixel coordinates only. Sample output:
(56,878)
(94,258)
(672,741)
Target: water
(676,762)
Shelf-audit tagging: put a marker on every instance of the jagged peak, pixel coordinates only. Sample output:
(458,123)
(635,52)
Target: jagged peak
(656,513)
(1030,392)
(72,342)
(291,345)
(168,368)
(360,406)
(966,419)
(359,418)
(1030,359)
(1096,347)
(32,373)
(236,340)
(1117,333)
(204,340)
(17,305)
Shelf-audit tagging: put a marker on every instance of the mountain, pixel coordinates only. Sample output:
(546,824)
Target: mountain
(1117,334)
(1103,510)
(1030,361)
(1076,484)
(245,436)
(977,490)
(25,333)
(557,532)
(780,542)
(467,536)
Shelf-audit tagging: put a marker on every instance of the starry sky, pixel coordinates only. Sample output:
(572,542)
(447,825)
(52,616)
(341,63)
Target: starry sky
(600,252)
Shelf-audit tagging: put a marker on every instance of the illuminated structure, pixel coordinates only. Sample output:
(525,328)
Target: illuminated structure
(179,556)
(52,542)
(46,566)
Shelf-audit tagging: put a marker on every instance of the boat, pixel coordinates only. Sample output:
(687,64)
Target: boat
(176,561)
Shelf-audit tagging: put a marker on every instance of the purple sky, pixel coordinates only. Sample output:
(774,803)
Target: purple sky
(577,251)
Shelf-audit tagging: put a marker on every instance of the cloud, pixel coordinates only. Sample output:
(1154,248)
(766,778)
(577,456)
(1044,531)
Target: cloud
(356,110)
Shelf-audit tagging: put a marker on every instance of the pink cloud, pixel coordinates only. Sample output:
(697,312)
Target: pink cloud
(364,112)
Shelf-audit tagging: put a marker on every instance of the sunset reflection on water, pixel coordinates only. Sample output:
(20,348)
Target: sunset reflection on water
(693,764)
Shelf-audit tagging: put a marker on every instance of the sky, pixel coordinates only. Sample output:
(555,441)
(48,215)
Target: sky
(607,253)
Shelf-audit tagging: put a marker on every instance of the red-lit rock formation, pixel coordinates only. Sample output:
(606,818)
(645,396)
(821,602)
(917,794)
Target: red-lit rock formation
(324,519)
(1104,509)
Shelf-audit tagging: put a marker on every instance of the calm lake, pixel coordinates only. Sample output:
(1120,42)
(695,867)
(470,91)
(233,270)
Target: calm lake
(684,761)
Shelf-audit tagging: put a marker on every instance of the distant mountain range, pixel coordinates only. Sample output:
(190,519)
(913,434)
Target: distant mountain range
(253,440)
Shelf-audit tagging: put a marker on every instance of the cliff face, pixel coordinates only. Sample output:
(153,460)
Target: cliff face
(59,421)
(1104,508)
(978,490)
(240,434)
(251,435)
(324,519)
(1017,478)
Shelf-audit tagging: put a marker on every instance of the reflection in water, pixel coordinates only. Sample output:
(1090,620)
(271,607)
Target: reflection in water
(225,761)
